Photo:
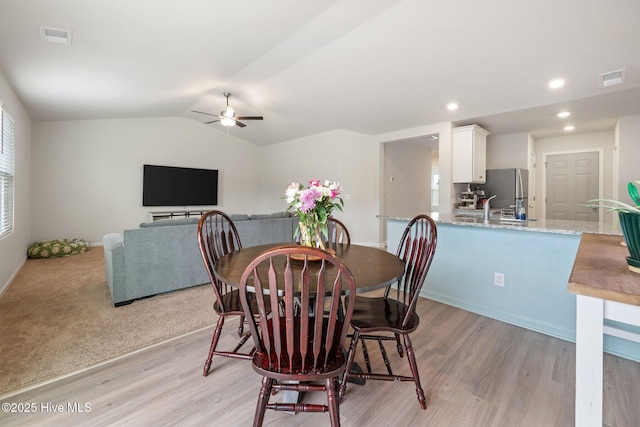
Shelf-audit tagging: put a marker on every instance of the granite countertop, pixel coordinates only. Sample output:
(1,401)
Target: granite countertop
(560,226)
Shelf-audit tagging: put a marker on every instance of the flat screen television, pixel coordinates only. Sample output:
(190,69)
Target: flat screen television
(176,186)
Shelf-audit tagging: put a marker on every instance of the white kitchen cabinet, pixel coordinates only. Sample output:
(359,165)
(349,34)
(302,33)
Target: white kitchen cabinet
(469,154)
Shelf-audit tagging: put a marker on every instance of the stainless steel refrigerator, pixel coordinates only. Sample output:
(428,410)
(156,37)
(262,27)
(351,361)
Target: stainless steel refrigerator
(507,185)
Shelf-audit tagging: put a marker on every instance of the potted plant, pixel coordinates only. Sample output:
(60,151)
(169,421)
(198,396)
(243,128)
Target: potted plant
(629,217)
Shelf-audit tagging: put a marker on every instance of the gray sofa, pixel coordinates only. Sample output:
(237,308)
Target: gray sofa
(163,256)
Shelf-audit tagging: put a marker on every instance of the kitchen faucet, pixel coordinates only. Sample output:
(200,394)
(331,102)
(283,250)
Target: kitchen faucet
(486,206)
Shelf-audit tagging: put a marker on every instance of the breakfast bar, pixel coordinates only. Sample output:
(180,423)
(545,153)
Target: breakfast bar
(516,272)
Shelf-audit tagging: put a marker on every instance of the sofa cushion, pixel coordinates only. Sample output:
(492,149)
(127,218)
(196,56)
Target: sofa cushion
(271,215)
(170,222)
(239,217)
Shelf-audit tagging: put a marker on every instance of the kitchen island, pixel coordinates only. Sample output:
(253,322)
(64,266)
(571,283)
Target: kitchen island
(516,272)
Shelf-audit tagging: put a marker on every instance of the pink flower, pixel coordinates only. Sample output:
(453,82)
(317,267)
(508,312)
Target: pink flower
(314,203)
(308,198)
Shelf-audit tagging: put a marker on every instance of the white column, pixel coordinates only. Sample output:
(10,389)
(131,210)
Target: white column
(589,360)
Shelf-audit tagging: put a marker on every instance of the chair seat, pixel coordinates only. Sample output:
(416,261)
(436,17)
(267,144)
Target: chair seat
(290,370)
(380,314)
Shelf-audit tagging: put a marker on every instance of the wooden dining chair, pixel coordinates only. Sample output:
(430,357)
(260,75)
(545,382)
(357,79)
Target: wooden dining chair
(299,347)
(337,232)
(218,236)
(385,318)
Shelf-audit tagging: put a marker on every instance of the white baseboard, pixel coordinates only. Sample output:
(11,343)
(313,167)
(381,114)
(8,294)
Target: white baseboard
(13,276)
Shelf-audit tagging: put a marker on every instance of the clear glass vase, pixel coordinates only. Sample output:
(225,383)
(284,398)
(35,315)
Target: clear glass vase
(310,236)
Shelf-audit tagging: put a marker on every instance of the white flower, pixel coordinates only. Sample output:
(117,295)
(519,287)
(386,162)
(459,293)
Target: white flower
(293,190)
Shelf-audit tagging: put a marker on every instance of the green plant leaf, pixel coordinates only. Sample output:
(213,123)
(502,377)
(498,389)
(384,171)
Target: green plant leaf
(612,205)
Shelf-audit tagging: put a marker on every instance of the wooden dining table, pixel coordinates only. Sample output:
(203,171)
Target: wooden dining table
(371,267)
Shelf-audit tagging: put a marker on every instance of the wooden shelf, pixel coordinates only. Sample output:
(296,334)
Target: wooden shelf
(158,215)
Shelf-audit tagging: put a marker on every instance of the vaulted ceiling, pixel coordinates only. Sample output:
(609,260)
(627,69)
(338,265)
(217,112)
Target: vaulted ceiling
(311,66)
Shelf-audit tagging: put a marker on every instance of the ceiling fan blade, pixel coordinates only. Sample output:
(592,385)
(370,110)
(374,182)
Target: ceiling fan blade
(250,118)
(202,112)
(212,121)
(240,124)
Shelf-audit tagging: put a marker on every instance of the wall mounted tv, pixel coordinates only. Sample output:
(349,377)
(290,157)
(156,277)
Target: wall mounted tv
(175,186)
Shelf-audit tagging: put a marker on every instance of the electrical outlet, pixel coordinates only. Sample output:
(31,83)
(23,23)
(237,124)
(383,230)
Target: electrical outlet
(498,279)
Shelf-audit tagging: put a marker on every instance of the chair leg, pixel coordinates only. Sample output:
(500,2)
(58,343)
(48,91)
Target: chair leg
(241,326)
(399,345)
(350,357)
(214,344)
(331,384)
(411,356)
(263,399)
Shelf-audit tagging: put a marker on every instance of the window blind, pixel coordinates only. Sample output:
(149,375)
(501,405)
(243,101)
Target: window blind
(7,165)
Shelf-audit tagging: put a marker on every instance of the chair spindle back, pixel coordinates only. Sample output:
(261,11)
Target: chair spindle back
(303,334)
(217,236)
(417,247)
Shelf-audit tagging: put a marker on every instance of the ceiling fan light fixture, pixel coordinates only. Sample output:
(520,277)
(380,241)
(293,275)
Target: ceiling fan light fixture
(228,117)
(227,121)
(229,112)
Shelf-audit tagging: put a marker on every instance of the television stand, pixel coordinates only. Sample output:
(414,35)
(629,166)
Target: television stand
(158,215)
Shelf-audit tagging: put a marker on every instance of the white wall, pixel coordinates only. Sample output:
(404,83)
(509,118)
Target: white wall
(628,145)
(13,247)
(407,179)
(444,131)
(87,175)
(348,157)
(507,151)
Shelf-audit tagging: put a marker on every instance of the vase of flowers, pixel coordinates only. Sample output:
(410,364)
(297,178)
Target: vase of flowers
(313,204)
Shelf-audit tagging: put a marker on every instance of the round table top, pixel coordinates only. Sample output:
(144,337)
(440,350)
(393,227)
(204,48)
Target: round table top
(372,268)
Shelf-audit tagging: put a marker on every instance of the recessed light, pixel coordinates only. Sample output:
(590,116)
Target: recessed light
(564,114)
(569,128)
(55,35)
(556,83)
(452,106)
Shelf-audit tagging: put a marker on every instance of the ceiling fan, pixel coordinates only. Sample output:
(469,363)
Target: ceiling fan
(227,117)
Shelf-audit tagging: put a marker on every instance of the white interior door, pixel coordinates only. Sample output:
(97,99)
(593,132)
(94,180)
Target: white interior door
(571,180)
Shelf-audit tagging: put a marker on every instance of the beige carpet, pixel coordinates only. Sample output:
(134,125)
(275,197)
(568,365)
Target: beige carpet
(57,317)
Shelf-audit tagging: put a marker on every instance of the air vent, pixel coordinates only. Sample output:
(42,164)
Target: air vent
(612,78)
(55,35)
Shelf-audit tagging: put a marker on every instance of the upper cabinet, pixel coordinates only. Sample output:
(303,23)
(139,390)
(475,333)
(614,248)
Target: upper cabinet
(469,154)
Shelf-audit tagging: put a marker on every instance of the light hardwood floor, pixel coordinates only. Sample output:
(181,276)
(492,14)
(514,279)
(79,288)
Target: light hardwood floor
(475,371)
